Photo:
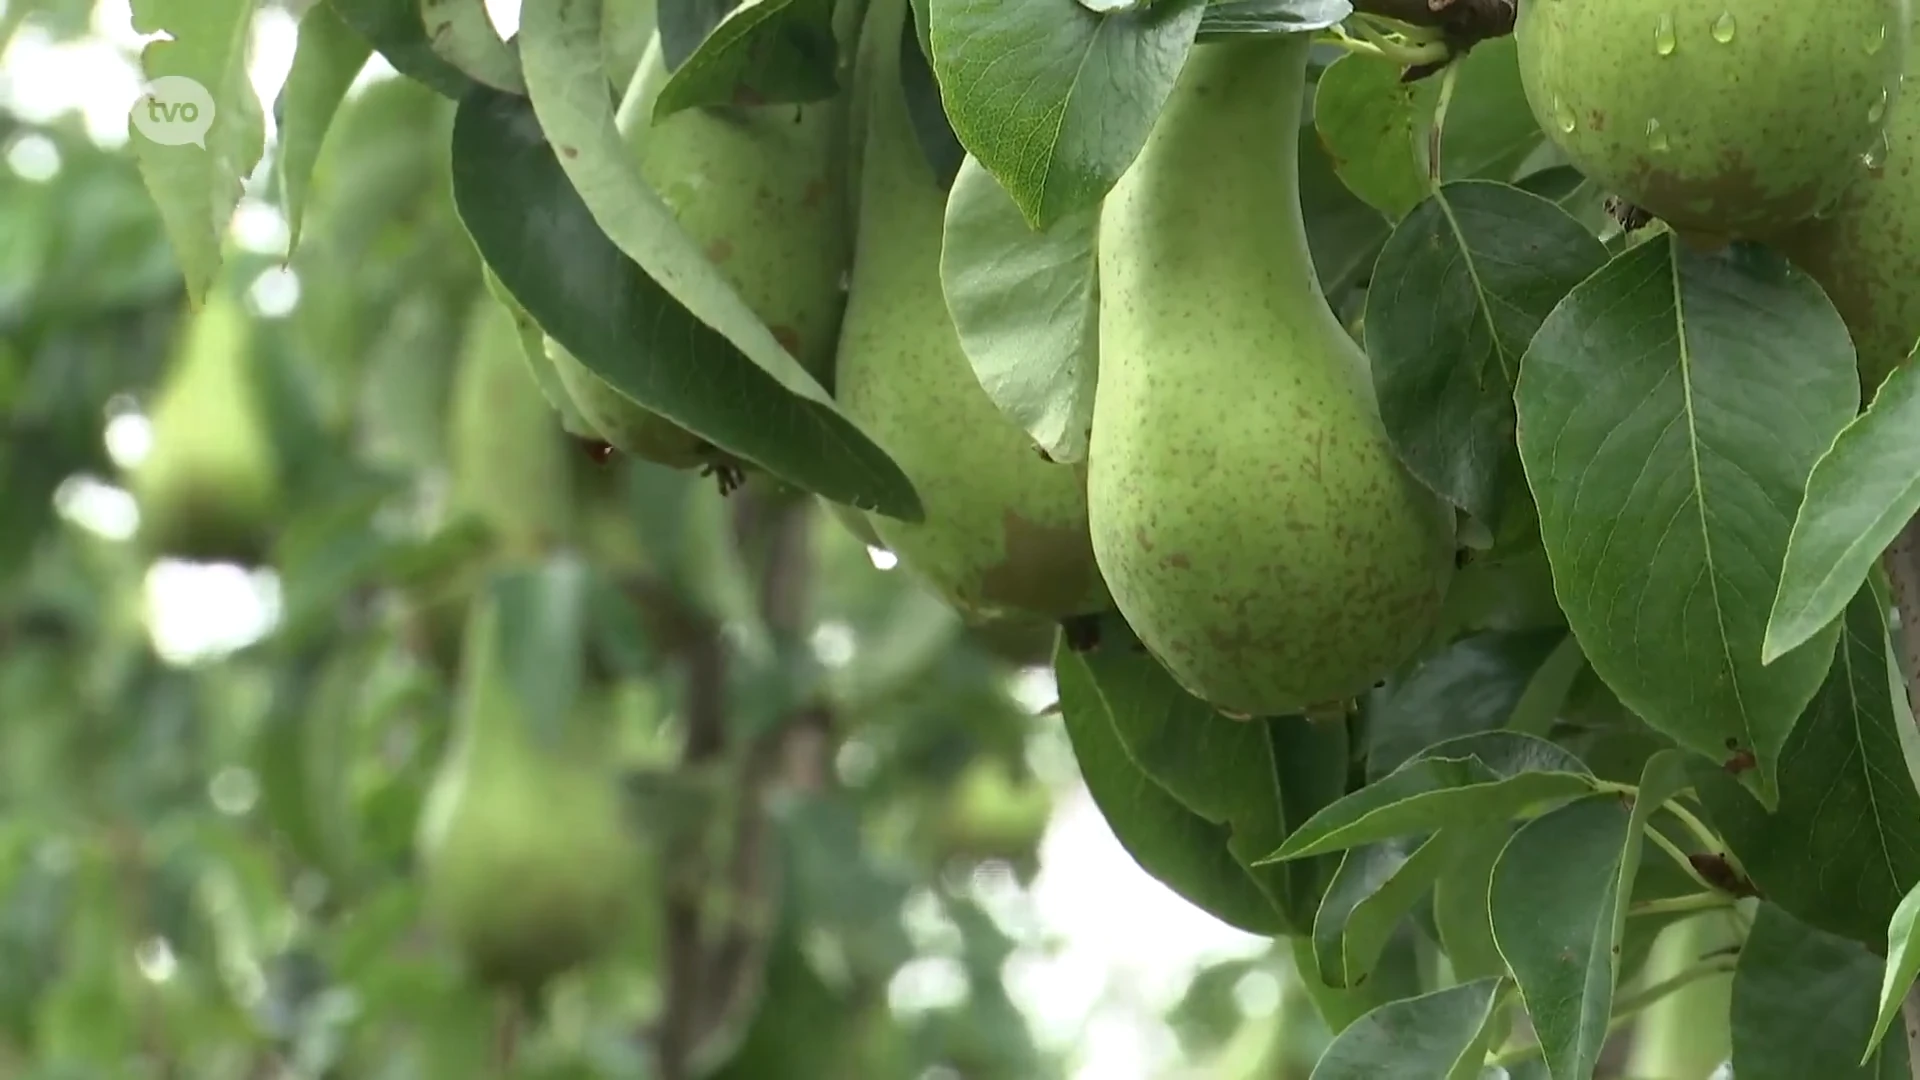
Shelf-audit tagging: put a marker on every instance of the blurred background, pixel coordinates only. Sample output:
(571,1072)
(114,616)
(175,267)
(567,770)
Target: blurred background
(212,769)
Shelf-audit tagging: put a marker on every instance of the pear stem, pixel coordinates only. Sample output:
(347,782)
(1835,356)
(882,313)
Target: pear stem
(1401,53)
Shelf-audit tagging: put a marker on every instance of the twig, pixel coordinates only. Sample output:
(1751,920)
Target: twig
(1466,23)
(1628,1006)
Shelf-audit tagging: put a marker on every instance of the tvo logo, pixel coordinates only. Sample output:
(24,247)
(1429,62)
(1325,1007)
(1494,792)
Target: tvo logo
(174,110)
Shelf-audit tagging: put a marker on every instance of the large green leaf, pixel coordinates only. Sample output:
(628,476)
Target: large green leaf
(395,28)
(1803,1006)
(326,58)
(1185,851)
(1843,845)
(545,246)
(1903,964)
(1670,410)
(726,377)
(1474,685)
(1054,99)
(1461,917)
(1026,305)
(1368,122)
(1862,492)
(1258,778)
(1557,917)
(197,184)
(1374,889)
(1457,294)
(1472,780)
(1442,1035)
(771,51)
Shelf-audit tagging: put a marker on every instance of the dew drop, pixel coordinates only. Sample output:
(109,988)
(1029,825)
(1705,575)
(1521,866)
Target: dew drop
(1563,114)
(1877,110)
(1657,137)
(1723,28)
(1877,40)
(1876,155)
(1663,37)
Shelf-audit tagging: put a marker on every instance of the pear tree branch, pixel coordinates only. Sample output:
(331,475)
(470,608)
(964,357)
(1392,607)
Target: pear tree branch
(1465,22)
(718,920)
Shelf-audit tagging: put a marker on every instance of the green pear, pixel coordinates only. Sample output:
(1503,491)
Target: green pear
(1726,119)
(510,462)
(762,189)
(1859,252)
(527,861)
(1248,512)
(1005,529)
(209,488)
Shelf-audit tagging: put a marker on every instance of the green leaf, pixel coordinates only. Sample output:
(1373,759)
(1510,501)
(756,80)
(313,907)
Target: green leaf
(1472,686)
(1557,917)
(1459,290)
(1026,305)
(1181,849)
(1490,129)
(1803,1006)
(1903,966)
(1397,976)
(197,185)
(1474,779)
(326,59)
(1670,410)
(1442,1035)
(1056,100)
(607,312)
(1843,845)
(1371,893)
(396,30)
(1369,123)
(1861,493)
(461,33)
(1343,232)
(771,51)
(1258,778)
(1461,916)
(1662,779)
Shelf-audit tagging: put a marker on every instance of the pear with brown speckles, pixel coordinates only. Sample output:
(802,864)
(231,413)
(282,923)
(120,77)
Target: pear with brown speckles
(762,189)
(1248,513)
(1865,251)
(1005,529)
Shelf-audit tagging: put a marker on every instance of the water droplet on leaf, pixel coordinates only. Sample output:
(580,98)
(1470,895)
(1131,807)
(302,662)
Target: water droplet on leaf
(1664,41)
(1563,114)
(1723,28)
(1657,137)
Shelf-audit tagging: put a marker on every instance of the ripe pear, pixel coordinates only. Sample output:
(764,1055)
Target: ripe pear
(510,462)
(1859,251)
(1005,529)
(527,860)
(762,189)
(1727,119)
(209,488)
(1256,528)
